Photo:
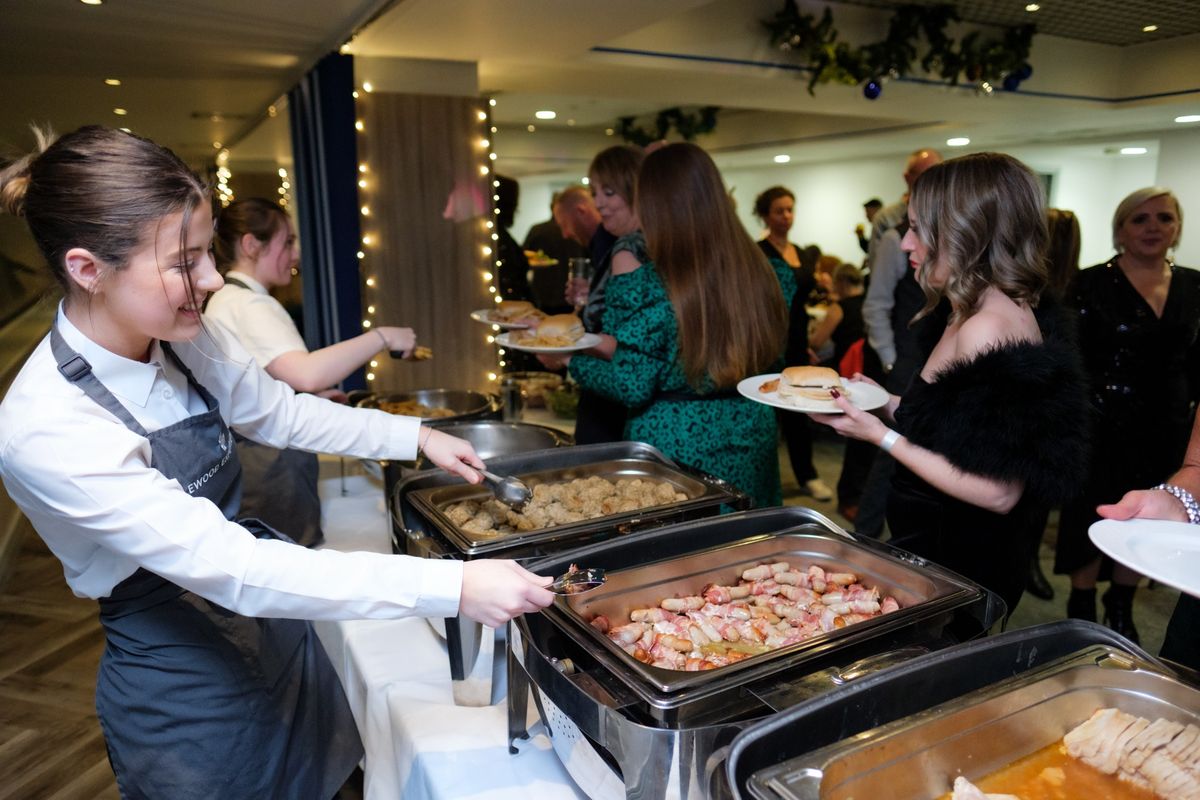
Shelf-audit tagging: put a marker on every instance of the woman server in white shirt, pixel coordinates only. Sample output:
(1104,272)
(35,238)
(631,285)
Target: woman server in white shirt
(115,442)
(255,248)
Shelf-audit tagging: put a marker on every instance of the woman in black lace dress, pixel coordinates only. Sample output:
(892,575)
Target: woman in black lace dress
(1139,319)
(987,435)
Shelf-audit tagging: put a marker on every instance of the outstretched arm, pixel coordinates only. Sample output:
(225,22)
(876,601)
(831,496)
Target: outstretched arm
(313,371)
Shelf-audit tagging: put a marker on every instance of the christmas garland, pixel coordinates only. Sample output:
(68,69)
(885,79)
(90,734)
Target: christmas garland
(688,125)
(982,61)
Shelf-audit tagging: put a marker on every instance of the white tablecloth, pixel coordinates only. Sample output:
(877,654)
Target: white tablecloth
(396,673)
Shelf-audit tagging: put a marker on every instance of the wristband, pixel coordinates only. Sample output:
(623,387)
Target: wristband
(421,445)
(383,339)
(1184,496)
(889,440)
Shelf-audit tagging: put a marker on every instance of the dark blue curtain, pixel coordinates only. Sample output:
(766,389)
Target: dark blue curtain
(325,188)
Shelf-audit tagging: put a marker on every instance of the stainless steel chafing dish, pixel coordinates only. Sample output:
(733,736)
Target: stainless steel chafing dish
(971,709)
(662,730)
(982,732)
(419,526)
(465,404)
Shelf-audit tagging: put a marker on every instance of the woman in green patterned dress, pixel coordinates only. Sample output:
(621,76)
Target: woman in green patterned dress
(683,329)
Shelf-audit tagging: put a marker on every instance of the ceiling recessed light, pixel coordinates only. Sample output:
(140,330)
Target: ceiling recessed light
(127,130)
(545,114)
(608,131)
(1031,7)
(782,159)
(958,141)
(91,2)
(1134,151)
(1149,29)
(585,180)
(112,81)
(120,112)
(531,128)
(1188,118)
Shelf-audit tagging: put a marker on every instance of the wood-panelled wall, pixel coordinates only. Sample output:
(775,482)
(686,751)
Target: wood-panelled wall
(424,160)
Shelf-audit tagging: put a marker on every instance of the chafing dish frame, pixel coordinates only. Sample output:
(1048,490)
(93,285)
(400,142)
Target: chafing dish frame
(673,744)
(474,405)
(911,688)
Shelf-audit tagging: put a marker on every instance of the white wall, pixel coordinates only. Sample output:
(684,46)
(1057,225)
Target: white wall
(829,196)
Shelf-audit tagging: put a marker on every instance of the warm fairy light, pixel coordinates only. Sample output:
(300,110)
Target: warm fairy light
(531,128)
(492,102)
(500,351)
(495,237)
(1149,29)
(492,156)
(370,281)
(112,81)
(362,167)
(495,329)
(487,277)
(361,255)
(367,240)
(492,289)
(493,129)
(282,172)
(484,143)
(491,339)
(499,263)
(370,309)
(489,224)
(491,376)
(120,112)
(496,298)
(358,125)
(367,87)
(483,170)
(285,184)
(374,364)
(354,95)
(362,184)
(366,211)
(366,323)
(482,115)
(585,180)
(487,251)
(370,376)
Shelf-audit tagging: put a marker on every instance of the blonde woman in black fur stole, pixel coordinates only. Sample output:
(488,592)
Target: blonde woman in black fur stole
(993,429)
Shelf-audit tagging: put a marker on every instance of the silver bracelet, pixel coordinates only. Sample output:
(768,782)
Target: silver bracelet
(889,440)
(1184,496)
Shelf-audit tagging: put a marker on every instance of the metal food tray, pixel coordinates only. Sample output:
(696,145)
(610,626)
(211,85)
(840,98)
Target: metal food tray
(428,498)
(465,403)
(923,591)
(982,732)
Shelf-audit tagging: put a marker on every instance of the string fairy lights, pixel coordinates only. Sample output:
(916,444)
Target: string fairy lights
(224,192)
(365,266)
(490,270)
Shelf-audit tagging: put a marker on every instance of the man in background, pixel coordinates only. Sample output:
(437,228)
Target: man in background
(870,209)
(893,299)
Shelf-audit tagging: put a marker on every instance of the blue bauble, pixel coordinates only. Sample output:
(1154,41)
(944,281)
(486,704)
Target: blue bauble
(1011,82)
(872,89)
(1024,72)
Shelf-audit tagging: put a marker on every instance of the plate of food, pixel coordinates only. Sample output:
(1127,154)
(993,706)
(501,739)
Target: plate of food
(806,389)
(539,258)
(510,315)
(560,333)
(1168,552)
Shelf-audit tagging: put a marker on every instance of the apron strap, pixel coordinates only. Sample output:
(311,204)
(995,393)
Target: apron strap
(78,371)
(237,282)
(210,402)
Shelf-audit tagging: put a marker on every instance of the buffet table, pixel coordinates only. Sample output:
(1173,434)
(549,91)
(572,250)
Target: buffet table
(419,743)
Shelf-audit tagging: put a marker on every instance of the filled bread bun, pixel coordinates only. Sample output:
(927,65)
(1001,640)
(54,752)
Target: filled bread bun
(513,309)
(810,383)
(561,326)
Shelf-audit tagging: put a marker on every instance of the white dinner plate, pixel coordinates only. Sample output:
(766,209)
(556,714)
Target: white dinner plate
(1168,552)
(863,395)
(482,316)
(585,341)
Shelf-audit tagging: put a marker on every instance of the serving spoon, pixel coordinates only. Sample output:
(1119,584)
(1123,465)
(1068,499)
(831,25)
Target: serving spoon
(510,491)
(578,581)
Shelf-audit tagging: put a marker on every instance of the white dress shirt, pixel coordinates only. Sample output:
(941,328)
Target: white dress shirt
(85,482)
(260,321)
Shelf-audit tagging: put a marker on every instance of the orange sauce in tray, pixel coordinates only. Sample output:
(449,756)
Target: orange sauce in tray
(1052,774)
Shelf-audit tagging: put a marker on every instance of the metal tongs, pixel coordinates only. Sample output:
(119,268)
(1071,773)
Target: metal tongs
(510,491)
(578,581)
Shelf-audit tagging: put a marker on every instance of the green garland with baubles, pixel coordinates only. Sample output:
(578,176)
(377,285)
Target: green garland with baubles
(975,59)
(687,124)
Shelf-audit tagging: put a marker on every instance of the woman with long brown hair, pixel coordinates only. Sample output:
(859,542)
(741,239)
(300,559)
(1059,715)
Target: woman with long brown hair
(989,434)
(685,327)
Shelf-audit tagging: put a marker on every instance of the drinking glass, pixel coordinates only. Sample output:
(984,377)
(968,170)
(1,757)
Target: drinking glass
(579,279)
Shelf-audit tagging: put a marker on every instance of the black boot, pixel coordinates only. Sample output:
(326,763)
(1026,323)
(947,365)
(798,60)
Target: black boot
(1036,583)
(1082,604)
(1118,611)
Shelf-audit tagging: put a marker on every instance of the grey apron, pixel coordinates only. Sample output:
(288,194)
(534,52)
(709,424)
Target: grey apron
(280,486)
(195,701)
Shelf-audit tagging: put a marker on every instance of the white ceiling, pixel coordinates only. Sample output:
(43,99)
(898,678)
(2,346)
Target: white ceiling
(196,72)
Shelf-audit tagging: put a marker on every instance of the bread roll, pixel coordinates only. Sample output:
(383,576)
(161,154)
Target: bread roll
(810,383)
(513,309)
(561,326)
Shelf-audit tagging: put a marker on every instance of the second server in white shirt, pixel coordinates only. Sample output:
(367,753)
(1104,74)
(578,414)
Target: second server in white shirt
(255,247)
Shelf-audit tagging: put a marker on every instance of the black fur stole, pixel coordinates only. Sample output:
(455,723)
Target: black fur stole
(1018,412)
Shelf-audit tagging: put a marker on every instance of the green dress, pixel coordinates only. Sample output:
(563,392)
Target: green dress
(729,436)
